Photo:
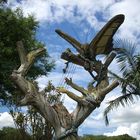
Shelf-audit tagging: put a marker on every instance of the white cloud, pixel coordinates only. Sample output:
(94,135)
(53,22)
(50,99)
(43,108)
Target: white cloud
(125,115)
(6,120)
(132,130)
(126,121)
(131,10)
(76,11)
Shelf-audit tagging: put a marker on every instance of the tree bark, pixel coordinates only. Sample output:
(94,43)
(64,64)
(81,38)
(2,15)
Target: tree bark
(73,136)
(65,124)
(76,59)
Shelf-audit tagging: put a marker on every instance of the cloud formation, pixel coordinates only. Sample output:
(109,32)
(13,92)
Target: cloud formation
(96,13)
(6,120)
(127,121)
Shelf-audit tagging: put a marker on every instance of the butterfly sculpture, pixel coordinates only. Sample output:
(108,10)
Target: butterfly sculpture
(102,43)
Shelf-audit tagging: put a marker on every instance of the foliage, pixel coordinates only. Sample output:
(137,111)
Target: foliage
(129,63)
(14,27)
(121,137)
(32,122)
(8,133)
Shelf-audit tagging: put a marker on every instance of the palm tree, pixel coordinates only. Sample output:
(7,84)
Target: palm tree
(129,64)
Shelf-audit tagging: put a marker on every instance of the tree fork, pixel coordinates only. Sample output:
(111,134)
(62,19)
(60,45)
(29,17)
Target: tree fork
(65,124)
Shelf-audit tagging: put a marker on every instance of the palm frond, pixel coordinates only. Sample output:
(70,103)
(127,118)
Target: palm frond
(121,100)
(133,89)
(130,80)
(126,55)
(137,61)
(114,75)
(123,82)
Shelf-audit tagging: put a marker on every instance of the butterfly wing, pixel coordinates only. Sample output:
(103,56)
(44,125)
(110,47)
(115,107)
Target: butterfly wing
(71,40)
(103,41)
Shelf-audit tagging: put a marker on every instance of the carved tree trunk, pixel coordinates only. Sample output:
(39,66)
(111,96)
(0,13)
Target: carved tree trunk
(65,124)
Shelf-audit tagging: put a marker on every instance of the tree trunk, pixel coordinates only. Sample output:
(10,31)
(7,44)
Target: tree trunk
(65,124)
(72,137)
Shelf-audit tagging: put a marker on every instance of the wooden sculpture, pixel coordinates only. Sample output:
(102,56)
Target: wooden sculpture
(64,123)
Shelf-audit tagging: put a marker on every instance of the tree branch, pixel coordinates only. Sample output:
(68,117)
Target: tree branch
(27,60)
(78,60)
(109,59)
(70,57)
(21,82)
(102,73)
(76,87)
(109,88)
(31,94)
(70,94)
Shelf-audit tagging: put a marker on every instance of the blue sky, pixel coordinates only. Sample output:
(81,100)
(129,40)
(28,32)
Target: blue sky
(82,19)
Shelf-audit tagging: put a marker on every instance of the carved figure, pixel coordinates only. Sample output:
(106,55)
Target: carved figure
(100,44)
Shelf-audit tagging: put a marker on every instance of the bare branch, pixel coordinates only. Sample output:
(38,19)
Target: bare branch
(76,87)
(27,60)
(102,73)
(33,54)
(31,94)
(109,88)
(70,57)
(70,94)
(109,59)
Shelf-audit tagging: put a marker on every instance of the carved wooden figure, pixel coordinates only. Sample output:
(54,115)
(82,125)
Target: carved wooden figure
(102,43)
